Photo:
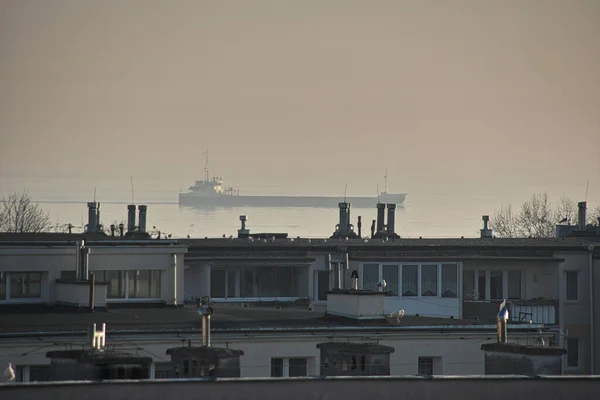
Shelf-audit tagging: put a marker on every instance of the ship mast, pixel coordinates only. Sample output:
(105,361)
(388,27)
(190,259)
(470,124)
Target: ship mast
(385,180)
(206,165)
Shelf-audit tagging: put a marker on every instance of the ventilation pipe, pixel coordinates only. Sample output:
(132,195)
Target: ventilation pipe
(501,322)
(485,232)
(391,218)
(142,218)
(121,229)
(131,218)
(582,205)
(359,225)
(92,215)
(205,311)
(373,229)
(380,217)
(112,229)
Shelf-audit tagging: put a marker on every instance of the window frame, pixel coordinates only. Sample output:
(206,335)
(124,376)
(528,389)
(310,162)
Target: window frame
(485,275)
(6,282)
(124,280)
(285,366)
(577,343)
(400,268)
(576,281)
(238,272)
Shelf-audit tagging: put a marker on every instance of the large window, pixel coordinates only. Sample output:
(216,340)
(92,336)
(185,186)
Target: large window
(410,280)
(289,367)
(571,285)
(429,280)
(572,345)
(20,285)
(492,285)
(322,285)
(450,280)
(262,282)
(496,285)
(137,284)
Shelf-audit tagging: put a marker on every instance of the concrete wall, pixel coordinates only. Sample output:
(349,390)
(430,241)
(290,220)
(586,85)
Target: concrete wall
(574,316)
(397,388)
(50,261)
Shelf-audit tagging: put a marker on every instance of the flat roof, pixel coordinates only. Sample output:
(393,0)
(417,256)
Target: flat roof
(227,318)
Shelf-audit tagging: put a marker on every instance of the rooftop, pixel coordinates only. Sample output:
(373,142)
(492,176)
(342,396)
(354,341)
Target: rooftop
(17,321)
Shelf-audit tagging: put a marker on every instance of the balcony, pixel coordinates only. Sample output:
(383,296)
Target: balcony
(537,311)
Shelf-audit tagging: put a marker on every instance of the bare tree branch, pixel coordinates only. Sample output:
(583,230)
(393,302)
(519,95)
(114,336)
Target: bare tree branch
(19,214)
(537,217)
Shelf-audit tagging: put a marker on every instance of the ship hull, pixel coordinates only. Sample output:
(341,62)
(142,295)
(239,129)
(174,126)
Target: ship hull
(191,200)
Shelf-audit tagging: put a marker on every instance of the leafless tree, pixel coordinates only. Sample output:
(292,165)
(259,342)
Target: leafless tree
(537,217)
(19,214)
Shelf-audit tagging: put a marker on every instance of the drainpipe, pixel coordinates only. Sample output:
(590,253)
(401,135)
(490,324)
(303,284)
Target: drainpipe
(592,338)
(174,279)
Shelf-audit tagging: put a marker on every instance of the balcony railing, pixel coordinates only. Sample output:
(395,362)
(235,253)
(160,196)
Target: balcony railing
(521,311)
(536,311)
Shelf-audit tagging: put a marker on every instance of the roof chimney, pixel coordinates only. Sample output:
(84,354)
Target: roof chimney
(131,218)
(391,220)
(486,232)
(581,217)
(92,225)
(380,217)
(344,229)
(243,232)
(142,218)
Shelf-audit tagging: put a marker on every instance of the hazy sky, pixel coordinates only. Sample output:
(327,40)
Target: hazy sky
(283,91)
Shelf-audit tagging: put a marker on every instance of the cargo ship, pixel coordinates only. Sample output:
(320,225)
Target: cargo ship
(210,192)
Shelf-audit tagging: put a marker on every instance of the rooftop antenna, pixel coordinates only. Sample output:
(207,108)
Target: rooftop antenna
(586,189)
(206,165)
(385,180)
(132,197)
(378,194)
(94,194)
(345,190)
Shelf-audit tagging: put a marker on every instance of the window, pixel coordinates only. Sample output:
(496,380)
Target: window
(450,280)
(20,285)
(514,284)
(217,283)
(276,367)
(572,352)
(138,284)
(322,285)
(390,274)
(162,370)
(425,365)
(26,285)
(410,280)
(144,284)
(370,276)
(2,285)
(429,280)
(496,285)
(481,292)
(227,283)
(248,285)
(468,285)
(571,283)
(289,367)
